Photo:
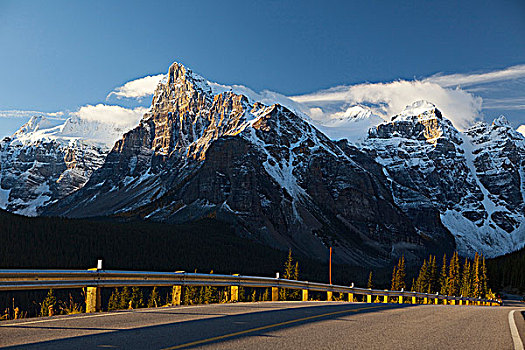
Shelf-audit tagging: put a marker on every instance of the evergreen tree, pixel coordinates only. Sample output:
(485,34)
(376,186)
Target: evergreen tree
(137,298)
(413,286)
(266,295)
(453,282)
(48,303)
(465,280)
(370,285)
(114,300)
(125,297)
(476,280)
(432,275)
(394,279)
(483,278)
(443,279)
(401,274)
(422,282)
(288,274)
(154,298)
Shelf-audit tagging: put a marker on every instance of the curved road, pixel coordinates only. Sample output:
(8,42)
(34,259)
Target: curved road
(289,325)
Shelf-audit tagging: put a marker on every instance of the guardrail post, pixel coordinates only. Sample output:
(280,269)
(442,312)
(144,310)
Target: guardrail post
(305,294)
(329,296)
(93,299)
(351,297)
(275,294)
(234,292)
(453,301)
(93,295)
(436,300)
(425,300)
(369,298)
(414,301)
(385,298)
(400,300)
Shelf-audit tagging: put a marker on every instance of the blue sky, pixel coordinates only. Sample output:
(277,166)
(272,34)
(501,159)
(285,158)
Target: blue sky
(57,56)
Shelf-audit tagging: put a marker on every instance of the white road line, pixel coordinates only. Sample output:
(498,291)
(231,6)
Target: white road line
(518,345)
(59,319)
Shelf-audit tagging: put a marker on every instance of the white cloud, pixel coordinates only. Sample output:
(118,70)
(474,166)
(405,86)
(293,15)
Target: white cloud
(111,114)
(453,80)
(521,129)
(15,113)
(388,99)
(137,88)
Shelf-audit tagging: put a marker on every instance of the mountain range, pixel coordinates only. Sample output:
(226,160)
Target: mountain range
(412,186)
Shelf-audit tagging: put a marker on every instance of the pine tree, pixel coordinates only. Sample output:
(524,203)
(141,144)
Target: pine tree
(154,298)
(288,273)
(443,280)
(421,282)
(394,279)
(476,280)
(453,282)
(483,278)
(48,303)
(401,275)
(432,275)
(125,297)
(266,295)
(465,280)
(114,299)
(137,298)
(370,285)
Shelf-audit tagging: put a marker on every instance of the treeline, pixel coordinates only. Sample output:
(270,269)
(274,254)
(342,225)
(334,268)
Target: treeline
(448,278)
(508,271)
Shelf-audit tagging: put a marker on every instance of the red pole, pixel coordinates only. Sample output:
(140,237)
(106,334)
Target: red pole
(330,268)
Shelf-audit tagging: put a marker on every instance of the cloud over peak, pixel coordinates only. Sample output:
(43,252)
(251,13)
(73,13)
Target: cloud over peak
(388,99)
(110,114)
(138,88)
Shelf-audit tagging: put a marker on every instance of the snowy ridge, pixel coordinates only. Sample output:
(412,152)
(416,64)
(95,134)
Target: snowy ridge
(47,159)
(461,174)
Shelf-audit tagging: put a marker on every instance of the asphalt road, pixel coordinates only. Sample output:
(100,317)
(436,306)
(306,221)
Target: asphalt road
(290,325)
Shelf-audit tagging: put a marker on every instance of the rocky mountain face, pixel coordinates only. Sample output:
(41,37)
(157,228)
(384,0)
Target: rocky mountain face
(474,179)
(279,179)
(41,163)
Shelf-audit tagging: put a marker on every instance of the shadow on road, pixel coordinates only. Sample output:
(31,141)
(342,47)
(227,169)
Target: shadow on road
(255,322)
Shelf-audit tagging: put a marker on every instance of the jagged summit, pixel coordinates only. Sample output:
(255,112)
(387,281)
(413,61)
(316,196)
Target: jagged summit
(417,108)
(420,121)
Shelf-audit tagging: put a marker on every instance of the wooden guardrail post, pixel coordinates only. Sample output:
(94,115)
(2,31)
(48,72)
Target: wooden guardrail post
(414,300)
(93,294)
(275,294)
(234,292)
(329,296)
(93,299)
(351,297)
(385,298)
(400,299)
(453,302)
(369,298)
(305,294)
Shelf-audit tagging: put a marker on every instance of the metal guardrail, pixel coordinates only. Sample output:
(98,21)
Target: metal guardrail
(11,280)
